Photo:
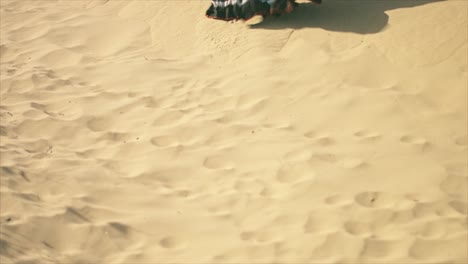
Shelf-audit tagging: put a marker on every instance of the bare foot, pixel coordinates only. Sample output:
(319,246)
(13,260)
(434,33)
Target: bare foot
(289,7)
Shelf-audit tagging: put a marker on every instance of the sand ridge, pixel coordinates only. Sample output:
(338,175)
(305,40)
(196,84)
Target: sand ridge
(143,132)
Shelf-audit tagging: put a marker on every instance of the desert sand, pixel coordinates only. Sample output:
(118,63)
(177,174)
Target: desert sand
(143,132)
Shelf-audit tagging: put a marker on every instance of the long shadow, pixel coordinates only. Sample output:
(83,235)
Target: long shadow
(358,16)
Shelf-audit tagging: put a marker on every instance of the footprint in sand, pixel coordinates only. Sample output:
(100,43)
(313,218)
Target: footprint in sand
(434,209)
(420,142)
(374,199)
(115,136)
(120,228)
(367,135)
(164,141)
(170,242)
(246,236)
(322,140)
(433,229)
(184,193)
(459,206)
(149,102)
(353,163)
(357,228)
(338,200)
(316,225)
(217,163)
(98,124)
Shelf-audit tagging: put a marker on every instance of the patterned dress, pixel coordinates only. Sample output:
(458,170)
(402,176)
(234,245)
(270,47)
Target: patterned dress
(246,9)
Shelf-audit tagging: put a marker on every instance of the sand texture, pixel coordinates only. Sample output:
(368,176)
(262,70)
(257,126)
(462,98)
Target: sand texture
(143,132)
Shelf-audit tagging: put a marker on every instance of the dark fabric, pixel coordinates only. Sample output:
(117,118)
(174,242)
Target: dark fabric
(249,9)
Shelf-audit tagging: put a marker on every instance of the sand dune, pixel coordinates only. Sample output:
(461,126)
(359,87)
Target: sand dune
(143,132)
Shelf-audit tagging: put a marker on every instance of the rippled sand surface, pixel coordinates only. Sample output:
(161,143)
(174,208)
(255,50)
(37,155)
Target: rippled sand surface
(143,132)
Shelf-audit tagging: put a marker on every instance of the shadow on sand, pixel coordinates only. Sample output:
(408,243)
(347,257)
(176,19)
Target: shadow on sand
(358,16)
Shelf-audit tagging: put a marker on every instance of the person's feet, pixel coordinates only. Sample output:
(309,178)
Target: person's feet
(289,7)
